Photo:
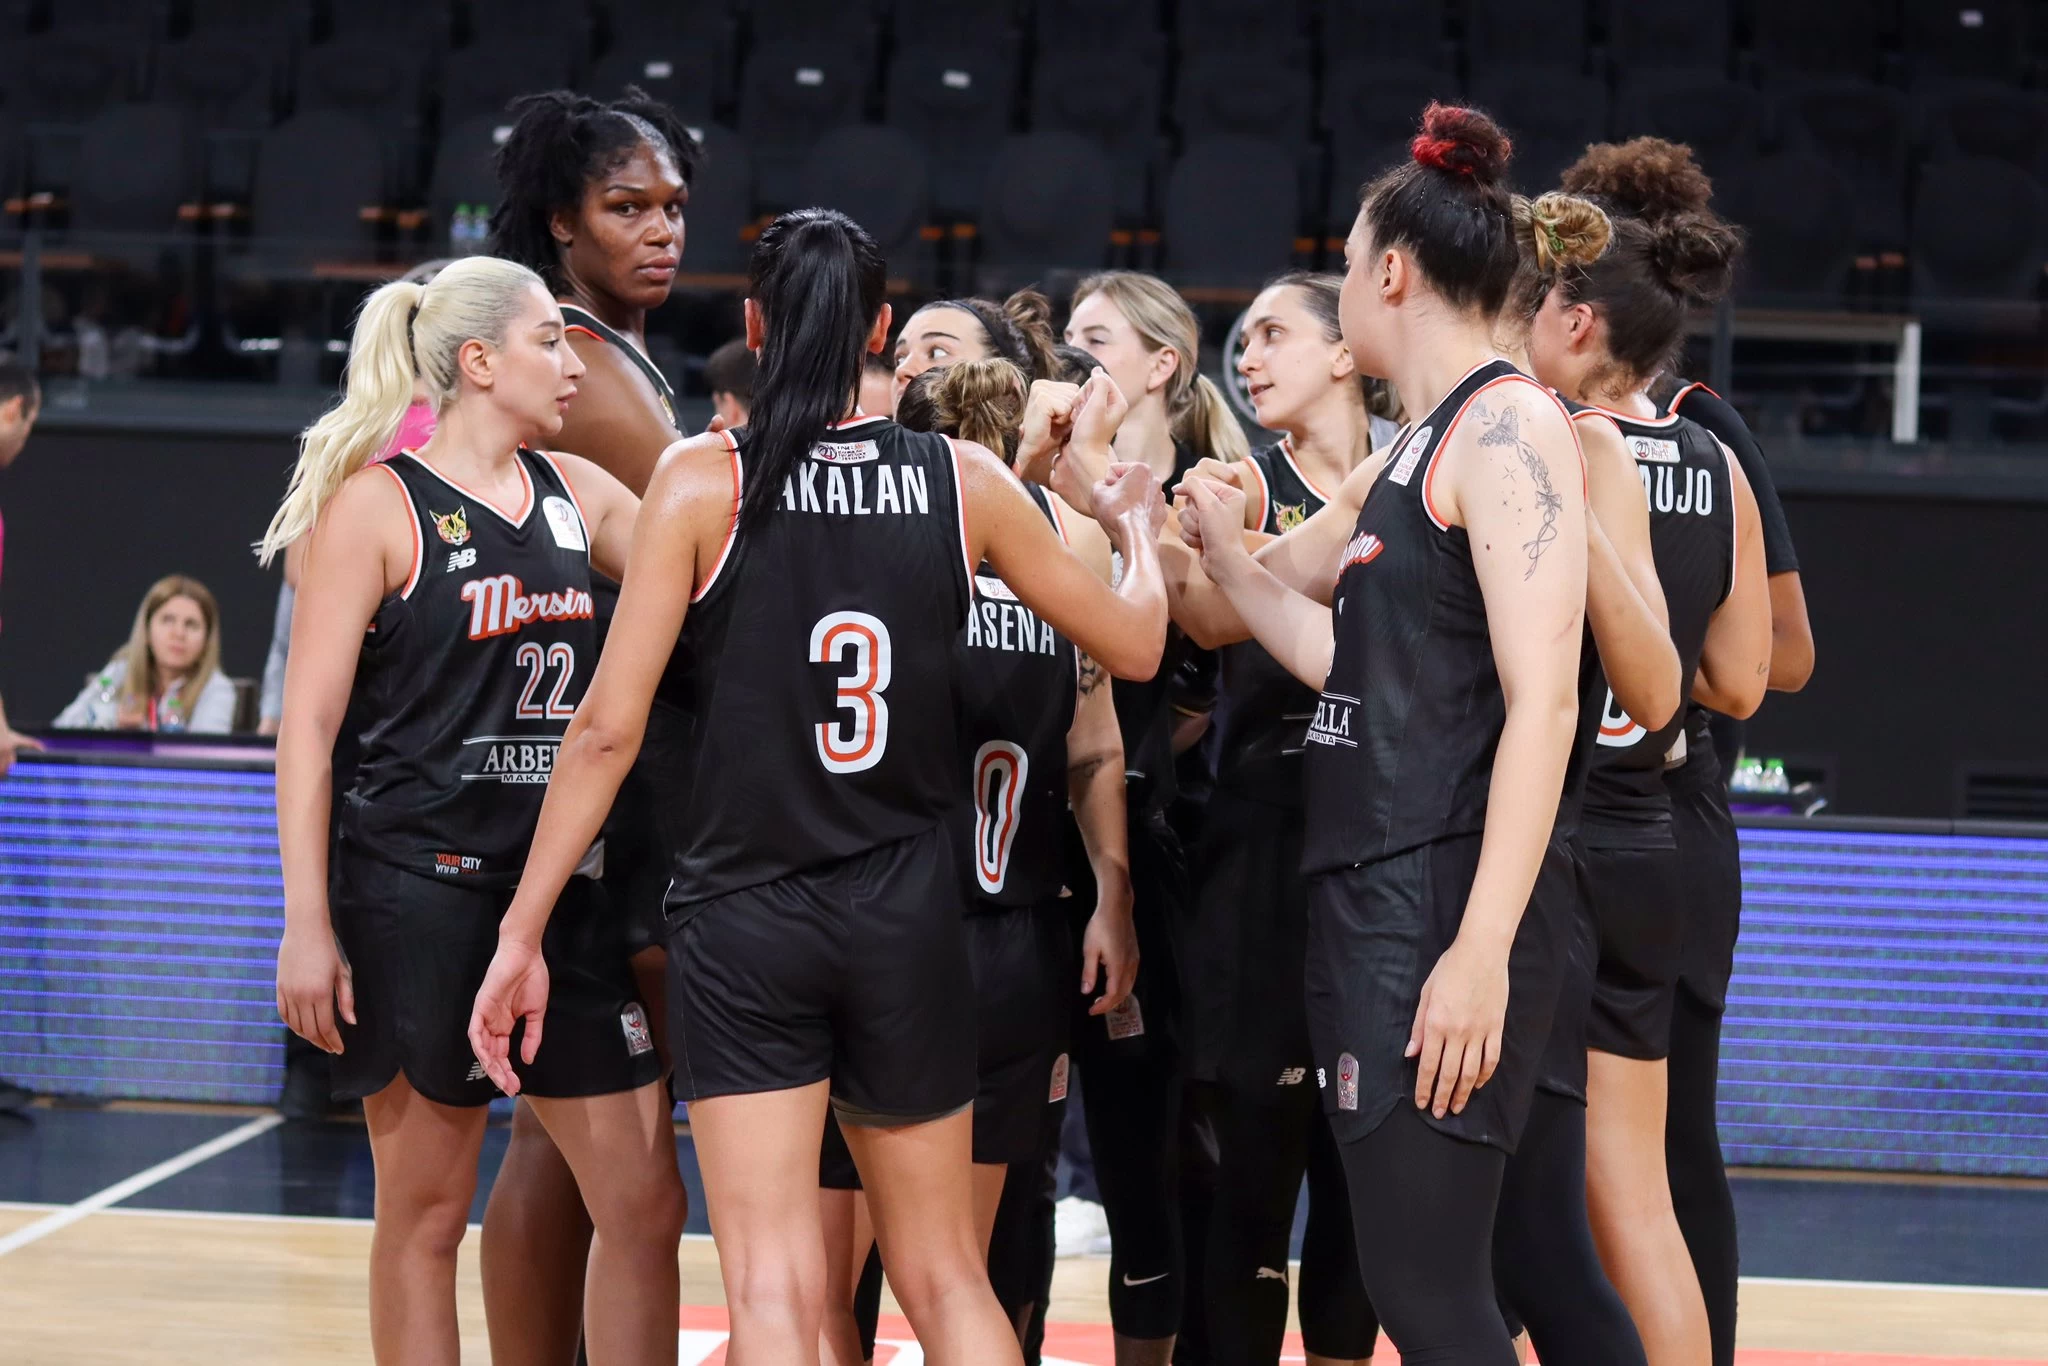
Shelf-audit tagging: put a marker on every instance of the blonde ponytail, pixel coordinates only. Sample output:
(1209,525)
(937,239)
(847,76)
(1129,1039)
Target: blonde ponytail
(1211,428)
(406,334)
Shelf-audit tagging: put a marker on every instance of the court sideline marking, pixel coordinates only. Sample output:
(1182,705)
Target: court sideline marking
(141,1181)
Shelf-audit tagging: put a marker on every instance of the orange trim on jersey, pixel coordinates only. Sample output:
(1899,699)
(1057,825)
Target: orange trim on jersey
(857,418)
(525,507)
(960,502)
(1265,492)
(1429,475)
(1665,421)
(1287,451)
(419,545)
(1679,397)
(579,327)
(574,501)
(732,530)
(1059,519)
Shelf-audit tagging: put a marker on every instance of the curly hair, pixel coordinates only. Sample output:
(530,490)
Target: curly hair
(1643,178)
(560,143)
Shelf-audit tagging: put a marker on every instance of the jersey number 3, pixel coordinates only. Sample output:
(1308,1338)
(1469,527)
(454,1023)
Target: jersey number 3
(860,643)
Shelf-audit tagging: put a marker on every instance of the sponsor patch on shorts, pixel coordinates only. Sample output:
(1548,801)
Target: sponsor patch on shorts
(1059,1080)
(1347,1082)
(1127,1021)
(633,1020)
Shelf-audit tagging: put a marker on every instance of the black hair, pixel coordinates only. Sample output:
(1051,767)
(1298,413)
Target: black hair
(18,381)
(1653,274)
(730,370)
(819,282)
(1071,364)
(1450,209)
(560,143)
(879,363)
(1019,329)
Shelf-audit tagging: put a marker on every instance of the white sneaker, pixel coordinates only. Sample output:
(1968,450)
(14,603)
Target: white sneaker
(1079,1228)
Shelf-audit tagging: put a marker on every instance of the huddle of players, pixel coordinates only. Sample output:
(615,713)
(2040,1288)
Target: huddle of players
(786,656)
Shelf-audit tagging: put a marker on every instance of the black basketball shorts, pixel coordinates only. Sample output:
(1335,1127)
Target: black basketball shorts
(1710,857)
(1637,897)
(418,950)
(855,972)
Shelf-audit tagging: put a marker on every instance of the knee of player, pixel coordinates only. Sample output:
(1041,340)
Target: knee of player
(651,1209)
(774,1277)
(929,1275)
(430,1222)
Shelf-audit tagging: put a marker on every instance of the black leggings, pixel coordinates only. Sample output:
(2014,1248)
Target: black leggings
(1264,1151)
(1548,1270)
(1692,1153)
(1426,1201)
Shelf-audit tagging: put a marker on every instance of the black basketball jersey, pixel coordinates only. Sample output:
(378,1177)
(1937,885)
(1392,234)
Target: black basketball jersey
(1145,708)
(808,709)
(1017,695)
(469,675)
(578,319)
(1692,536)
(1263,711)
(1401,747)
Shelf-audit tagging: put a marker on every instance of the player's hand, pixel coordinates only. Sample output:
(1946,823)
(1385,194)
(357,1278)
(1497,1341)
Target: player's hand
(1213,525)
(1099,412)
(1227,472)
(1456,1035)
(1129,491)
(13,742)
(1048,421)
(314,984)
(1110,943)
(515,988)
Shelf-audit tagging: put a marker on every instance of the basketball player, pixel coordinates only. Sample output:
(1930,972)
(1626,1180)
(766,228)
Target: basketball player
(591,198)
(1249,1039)
(797,594)
(1143,333)
(450,589)
(1019,329)
(1655,180)
(1439,752)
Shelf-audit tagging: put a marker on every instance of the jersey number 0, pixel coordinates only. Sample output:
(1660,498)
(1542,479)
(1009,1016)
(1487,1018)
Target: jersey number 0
(860,643)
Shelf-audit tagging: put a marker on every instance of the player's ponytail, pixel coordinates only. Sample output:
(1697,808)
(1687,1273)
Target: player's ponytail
(976,400)
(1196,410)
(817,280)
(407,334)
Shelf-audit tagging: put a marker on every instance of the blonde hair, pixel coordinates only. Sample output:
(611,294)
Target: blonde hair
(1195,408)
(142,680)
(980,401)
(407,333)
(1556,232)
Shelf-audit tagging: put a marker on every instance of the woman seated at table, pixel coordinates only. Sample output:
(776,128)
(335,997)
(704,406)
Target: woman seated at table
(167,677)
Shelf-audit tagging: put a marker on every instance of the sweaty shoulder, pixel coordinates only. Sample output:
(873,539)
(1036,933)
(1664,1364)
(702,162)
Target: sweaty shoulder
(697,477)
(372,507)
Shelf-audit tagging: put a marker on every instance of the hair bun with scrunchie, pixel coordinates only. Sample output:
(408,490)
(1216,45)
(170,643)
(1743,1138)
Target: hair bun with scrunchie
(1462,142)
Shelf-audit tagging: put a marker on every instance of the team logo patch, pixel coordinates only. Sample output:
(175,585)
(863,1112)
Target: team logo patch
(1411,455)
(1653,449)
(633,1020)
(1059,1080)
(564,523)
(1288,516)
(453,526)
(1127,1021)
(846,452)
(1347,1082)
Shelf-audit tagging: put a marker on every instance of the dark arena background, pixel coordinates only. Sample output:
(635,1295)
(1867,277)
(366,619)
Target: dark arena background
(199,194)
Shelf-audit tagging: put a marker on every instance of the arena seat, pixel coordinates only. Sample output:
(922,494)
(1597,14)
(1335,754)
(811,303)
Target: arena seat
(1371,113)
(315,174)
(426,23)
(1978,244)
(876,176)
(955,98)
(1270,31)
(795,90)
(1550,113)
(136,163)
(1979,119)
(1795,38)
(986,23)
(1065,26)
(1800,216)
(67,77)
(1514,32)
(1231,209)
(696,40)
(1723,121)
(1111,96)
(1221,95)
(464,172)
(1387,33)
(1977,40)
(1865,132)
(1693,36)
(721,205)
(1047,203)
(847,24)
(485,77)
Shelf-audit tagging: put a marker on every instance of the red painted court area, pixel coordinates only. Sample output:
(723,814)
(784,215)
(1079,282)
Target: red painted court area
(1088,1344)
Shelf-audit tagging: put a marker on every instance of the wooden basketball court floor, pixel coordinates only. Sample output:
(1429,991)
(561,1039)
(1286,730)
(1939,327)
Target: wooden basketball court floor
(171,1235)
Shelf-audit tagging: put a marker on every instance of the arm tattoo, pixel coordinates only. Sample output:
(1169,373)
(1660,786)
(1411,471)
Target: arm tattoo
(1506,431)
(1092,674)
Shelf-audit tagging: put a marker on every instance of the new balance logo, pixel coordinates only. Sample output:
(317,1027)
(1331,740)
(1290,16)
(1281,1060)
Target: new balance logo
(1293,1076)
(462,559)
(476,1072)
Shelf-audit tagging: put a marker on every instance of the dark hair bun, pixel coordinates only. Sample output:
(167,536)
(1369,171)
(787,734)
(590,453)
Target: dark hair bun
(1695,254)
(1462,142)
(1643,177)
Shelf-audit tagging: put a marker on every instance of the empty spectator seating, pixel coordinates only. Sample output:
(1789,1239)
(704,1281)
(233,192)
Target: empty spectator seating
(1515,32)
(1978,243)
(1387,33)
(875,176)
(1795,38)
(721,205)
(1112,97)
(1865,132)
(1550,114)
(955,99)
(1230,212)
(1047,204)
(1800,217)
(1669,35)
(1968,40)
(796,90)
(1724,122)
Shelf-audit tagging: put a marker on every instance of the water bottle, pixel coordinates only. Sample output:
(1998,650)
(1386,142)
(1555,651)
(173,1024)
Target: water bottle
(170,715)
(458,231)
(105,708)
(1775,781)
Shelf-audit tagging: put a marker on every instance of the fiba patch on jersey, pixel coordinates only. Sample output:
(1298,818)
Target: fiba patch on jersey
(1411,456)
(564,523)
(633,1020)
(846,452)
(989,586)
(1347,1082)
(1654,449)
(1059,1080)
(1127,1021)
